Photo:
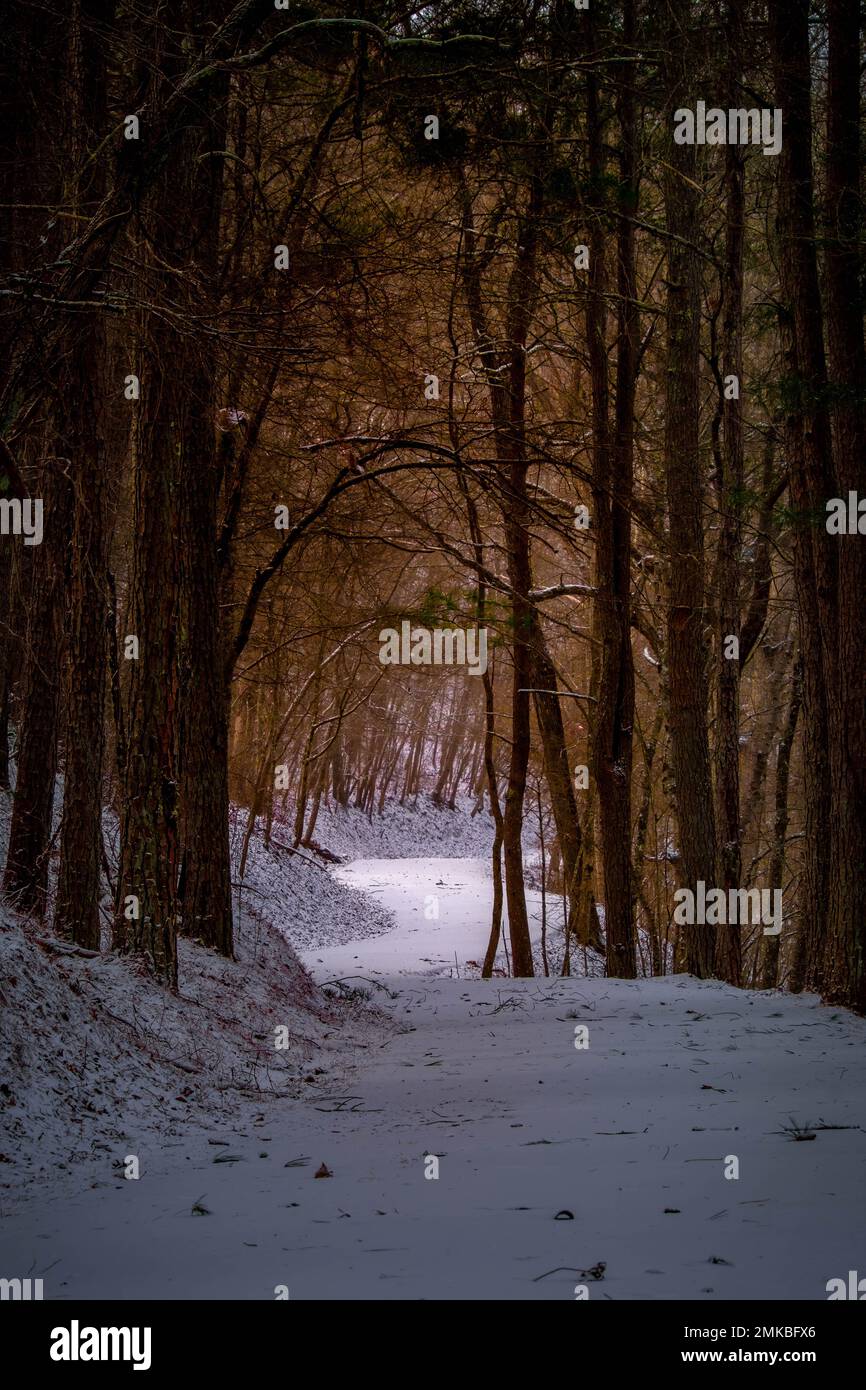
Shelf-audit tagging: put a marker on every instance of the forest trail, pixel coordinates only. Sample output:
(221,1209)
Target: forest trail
(441,908)
(552,1159)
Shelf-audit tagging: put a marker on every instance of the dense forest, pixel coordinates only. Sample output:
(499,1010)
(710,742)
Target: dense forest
(464,400)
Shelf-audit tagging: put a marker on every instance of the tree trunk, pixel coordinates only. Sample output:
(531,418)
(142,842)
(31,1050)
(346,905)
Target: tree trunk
(728,962)
(810,462)
(174,435)
(496,812)
(557,772)
(845,959)
(687,650)
(769,962)
(85,385)
(517,542)
(31,241)
(26,875)
(614,718)
(205,886)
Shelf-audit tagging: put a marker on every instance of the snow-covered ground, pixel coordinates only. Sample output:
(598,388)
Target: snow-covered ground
(553,1160)
(442,909)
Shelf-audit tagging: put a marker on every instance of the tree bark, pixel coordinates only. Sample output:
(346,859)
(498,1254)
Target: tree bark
(32,239)
(728,951)
(769,962)
(845,959)
(810,462)
(614,719)
(205,885)
(26,874)
(687,649)
(85,385)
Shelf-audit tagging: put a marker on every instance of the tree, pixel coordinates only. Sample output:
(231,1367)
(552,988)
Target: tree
(728,962)
(687,650)
(86,438)
(810,461)
(845,961)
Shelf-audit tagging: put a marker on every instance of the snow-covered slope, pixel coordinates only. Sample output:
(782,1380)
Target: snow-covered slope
(299,895)
(419,827)
(96,1059)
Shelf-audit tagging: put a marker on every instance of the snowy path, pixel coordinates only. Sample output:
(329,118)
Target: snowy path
(630,1136)
(442,908)
(458,891)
